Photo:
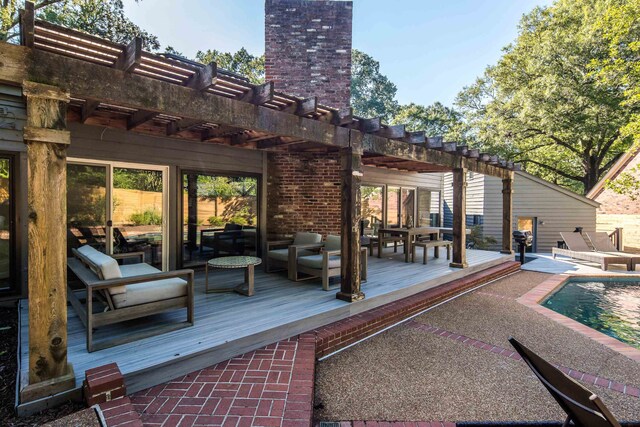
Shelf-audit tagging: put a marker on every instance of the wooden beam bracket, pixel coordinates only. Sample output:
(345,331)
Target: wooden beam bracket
(204,78)
(131,56)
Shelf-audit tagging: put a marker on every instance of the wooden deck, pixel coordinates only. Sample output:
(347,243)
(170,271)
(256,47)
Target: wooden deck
(229,324)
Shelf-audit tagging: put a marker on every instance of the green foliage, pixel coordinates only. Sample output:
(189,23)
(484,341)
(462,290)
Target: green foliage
(103,18)
(627,183)
(137,179)
(620,28)
(148,217)
(372,93)
(541,105)
(477,240)
(216,221)
(240,62)
(435,120)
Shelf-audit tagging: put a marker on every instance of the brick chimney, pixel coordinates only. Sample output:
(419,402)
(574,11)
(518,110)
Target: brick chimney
(308,49)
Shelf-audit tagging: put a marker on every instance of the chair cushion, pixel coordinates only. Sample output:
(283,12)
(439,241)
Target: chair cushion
(130,270)
(315,261)
(108,267)
(333,243)
(304,238)
(146,292)
(283,254)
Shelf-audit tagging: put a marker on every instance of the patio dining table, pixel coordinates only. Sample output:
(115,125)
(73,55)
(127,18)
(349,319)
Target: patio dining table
(408,235)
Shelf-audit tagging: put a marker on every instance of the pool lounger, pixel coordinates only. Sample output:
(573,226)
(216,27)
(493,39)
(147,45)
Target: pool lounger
(601,241)
(578,249)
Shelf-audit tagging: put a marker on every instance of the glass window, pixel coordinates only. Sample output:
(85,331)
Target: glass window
(371,205)
(393,206)
(7,267)
(220,216)
(408,207)
(86,206)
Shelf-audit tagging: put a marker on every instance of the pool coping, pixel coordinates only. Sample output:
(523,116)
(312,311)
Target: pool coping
(533,298)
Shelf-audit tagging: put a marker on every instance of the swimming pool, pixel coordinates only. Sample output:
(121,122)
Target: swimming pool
(608,305)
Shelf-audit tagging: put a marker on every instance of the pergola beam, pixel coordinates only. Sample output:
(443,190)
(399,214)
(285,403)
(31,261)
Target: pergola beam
(138,118)
(88,108)
(259,95)
(87,80)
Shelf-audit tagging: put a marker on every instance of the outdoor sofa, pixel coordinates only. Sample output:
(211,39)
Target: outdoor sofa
(326,263)
(578,249)
(129,291)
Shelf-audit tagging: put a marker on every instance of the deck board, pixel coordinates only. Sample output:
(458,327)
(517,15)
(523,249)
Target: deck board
(228,324)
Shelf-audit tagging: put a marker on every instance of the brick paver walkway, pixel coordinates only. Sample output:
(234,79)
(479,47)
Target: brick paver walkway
(270,387)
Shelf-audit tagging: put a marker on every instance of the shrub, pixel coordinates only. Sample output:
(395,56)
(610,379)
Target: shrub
(216,221)
(148,217)
(477,240)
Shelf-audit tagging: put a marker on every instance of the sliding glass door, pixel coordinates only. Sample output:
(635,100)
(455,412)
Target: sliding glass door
(118,208)
(7,236)
(220,216)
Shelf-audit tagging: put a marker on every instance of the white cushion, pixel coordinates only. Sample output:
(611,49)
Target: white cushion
(304,238)
(333,243)
(129,270)
(315,261)
(108,267)
(146,292)
(283,254)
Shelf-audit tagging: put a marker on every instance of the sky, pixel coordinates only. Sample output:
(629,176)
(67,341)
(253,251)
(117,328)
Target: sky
(430,49)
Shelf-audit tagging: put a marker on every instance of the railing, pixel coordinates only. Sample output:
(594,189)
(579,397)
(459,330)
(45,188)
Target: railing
(616,238)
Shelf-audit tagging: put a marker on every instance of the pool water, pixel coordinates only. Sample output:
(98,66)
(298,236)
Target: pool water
(611,306)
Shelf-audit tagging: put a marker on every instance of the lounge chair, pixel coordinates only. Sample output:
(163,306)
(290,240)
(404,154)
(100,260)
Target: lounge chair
(582,407)
(602,243)
(129,292)
(282,254)
(578,249)
(326,263)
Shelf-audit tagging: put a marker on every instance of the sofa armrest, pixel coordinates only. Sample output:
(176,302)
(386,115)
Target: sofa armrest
(277,243)
(127,255)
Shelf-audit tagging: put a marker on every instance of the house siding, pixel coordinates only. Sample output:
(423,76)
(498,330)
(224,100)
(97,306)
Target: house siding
(12,121)
(99,143)
(619,211)
(558,211)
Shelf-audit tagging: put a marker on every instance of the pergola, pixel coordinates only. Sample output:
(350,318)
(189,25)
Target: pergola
(67,76)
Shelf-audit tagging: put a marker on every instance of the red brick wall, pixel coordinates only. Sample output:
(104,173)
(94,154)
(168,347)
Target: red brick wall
(303,193)
(613,203)
(308,49)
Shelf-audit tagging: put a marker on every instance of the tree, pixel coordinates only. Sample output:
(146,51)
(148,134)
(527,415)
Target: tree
(372,93)
(435,120)
(621,30)
(241,62)
(103,18)
(541,104)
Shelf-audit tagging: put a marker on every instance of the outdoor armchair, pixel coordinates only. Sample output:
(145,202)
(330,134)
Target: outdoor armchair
(129,292)
(282,254)
(326,263)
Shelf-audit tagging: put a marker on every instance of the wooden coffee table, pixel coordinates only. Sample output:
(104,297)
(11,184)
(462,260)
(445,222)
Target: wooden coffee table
(226,262)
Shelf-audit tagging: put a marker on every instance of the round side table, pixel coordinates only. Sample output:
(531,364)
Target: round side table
(226,262)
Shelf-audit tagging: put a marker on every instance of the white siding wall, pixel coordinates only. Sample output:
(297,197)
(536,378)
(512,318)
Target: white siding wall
(475,196)
(559,211)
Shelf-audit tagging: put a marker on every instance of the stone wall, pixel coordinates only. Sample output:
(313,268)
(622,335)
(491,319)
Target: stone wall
(308,49)
(303,192)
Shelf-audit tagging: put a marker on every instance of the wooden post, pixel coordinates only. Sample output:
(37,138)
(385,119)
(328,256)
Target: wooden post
(507,215)
(619,239)
(459,218)
(192,211)
(351,161)
(47,139)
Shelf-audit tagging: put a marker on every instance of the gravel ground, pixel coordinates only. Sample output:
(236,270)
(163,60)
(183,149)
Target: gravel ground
(410,375)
